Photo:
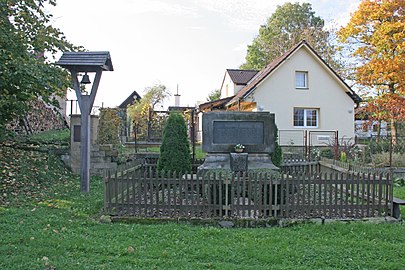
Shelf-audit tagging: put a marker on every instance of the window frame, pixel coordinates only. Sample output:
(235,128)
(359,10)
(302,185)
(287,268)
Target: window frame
(305,117)
(305,79)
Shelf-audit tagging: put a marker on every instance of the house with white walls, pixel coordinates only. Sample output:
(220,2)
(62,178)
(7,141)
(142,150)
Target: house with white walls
(311,102)
(234,80)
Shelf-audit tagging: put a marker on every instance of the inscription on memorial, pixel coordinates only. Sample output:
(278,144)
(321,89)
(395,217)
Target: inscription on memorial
(234,132)
(223,130)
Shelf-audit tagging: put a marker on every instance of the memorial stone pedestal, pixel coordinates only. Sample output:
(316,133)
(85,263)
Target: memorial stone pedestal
(238,162)
(223,130)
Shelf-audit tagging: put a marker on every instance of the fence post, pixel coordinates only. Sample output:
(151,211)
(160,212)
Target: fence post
(337,144)
(390,162)
(307,147)
(106,189)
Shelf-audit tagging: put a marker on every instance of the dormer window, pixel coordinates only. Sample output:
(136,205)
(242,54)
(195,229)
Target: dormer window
(301,79)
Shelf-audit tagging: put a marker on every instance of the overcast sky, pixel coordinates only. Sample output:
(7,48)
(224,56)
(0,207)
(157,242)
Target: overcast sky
(184,42)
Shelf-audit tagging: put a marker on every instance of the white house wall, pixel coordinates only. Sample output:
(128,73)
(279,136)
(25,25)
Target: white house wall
(227,84)
(278,95)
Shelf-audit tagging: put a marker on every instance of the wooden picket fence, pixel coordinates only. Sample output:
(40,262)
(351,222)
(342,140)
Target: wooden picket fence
(145,193)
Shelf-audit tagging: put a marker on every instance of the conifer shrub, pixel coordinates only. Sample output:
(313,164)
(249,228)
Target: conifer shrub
(277,155)
(175,149)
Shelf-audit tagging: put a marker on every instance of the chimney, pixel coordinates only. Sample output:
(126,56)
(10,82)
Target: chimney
(177,98)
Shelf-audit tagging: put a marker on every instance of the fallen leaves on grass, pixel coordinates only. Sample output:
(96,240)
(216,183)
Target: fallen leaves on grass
(27,176)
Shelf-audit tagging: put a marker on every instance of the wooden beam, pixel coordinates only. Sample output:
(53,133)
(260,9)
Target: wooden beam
(76,87)
(85,144)
(95,87)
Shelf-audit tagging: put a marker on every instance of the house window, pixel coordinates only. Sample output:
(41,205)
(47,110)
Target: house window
(301,79)
(305,117)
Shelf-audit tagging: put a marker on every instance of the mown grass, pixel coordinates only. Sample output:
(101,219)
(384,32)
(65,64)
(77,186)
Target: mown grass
(46,223)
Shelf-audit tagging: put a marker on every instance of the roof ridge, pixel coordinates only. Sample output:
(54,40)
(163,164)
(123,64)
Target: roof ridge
(238,69)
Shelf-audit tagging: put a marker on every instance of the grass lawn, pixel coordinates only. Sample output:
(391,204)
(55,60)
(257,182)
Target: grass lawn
(46,223)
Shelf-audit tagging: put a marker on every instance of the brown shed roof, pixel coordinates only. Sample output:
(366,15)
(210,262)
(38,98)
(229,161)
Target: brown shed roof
(240,76)
(215,104)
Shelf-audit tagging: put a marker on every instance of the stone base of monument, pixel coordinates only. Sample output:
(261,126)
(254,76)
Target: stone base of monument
(222,161)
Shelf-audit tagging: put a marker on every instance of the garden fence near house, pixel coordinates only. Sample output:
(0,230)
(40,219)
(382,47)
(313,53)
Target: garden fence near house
(354,168)
(254,195)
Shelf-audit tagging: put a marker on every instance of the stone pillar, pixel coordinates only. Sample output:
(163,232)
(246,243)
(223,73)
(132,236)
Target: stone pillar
(75,130)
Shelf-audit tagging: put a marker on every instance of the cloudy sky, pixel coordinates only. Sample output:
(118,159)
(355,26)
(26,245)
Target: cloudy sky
(188,43)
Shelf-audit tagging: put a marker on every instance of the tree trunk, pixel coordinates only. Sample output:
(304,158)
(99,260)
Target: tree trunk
(378,130)
(135,138)
(393,131)
(393,122)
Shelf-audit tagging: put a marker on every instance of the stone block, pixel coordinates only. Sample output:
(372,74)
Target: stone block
(111,153)
(226,224)
(95,154)
(104,165)
(106,147)
(238,162)
(216,161)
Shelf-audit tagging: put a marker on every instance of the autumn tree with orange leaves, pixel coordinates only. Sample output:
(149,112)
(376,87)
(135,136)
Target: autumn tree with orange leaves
(377,32)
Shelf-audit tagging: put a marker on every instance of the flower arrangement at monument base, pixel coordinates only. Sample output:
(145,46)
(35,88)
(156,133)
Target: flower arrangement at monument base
(239,148)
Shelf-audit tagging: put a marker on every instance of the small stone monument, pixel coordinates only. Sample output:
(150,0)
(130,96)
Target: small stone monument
(223,130)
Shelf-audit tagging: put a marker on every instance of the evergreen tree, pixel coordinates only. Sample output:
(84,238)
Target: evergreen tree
(175,149)
(277,155)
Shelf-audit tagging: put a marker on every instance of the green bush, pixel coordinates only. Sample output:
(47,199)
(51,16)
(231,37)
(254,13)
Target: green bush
(327,153)
(175,149)
(383,159)
(109,126)
(383,145)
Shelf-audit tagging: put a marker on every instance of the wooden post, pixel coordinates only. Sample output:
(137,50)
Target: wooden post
(85,105)
(85,145)
(193,133)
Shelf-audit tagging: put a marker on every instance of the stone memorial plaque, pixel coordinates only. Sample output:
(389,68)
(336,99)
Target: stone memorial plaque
(223,130)
(234,132)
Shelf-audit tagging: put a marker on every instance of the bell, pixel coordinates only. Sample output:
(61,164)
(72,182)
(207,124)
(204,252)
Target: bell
(85,79)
